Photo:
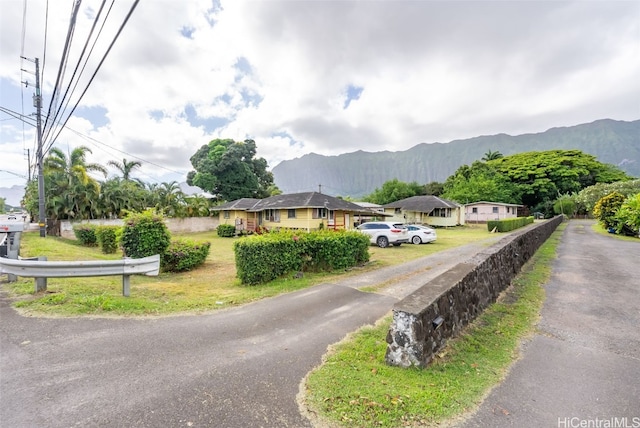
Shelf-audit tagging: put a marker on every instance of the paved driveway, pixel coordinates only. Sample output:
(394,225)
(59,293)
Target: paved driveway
(582,368)
(232,368)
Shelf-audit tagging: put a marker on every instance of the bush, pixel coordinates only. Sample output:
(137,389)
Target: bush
(144,235)
(226,230)
(263,258)
(628,216)
(184,255)
(509,224)
(607,207)
(107,237)
(86,234)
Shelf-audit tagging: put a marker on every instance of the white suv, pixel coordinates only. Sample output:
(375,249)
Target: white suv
(383,233)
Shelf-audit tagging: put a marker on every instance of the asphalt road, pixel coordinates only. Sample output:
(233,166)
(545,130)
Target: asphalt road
(582,368)
(238,367)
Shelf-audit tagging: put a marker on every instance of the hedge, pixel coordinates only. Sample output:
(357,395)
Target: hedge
(183,255)
(107,237)
(144,235)
(263,258)
(86,234)
(508,224)
(226,230)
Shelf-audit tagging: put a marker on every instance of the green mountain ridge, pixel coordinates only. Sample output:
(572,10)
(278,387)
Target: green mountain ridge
(358,173)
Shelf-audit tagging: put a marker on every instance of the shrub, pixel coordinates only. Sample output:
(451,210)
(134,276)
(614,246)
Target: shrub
(509,224)
(107,237)
(607,207)
(86,234)
(628,216)
(183,255)
(263,258)
(144,235)
(226,230)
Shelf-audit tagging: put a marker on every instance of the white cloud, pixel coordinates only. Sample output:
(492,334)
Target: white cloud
(278,72)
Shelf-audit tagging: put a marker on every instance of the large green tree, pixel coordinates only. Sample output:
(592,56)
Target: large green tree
(480,182)
(229,170)
(542,176)
(394,190)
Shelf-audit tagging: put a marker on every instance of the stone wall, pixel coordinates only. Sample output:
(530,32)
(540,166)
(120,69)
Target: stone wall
(424,320)
(175,225)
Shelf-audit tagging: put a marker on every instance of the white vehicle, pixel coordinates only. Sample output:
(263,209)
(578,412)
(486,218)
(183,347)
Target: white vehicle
(383,233)
(419,234)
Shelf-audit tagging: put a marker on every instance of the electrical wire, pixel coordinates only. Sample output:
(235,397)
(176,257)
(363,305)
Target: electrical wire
(131,10)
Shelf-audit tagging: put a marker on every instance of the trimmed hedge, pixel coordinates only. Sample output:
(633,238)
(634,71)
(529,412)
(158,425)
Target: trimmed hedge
(263,258)
(107,237)
(508,224)
(183,255)
(86,234)
(226,230)
(144,235)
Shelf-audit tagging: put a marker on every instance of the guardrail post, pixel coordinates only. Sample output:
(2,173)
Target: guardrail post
(41,283)
(125,285)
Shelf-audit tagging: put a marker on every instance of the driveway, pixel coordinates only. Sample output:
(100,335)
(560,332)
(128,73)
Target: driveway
(582,367)
(239,367)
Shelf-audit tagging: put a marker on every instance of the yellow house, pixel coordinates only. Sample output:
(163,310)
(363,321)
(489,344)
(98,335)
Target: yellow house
(303,211)
(430,210)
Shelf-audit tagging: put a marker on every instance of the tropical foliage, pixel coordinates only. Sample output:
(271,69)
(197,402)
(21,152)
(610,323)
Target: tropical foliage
(72,192)
(394,190)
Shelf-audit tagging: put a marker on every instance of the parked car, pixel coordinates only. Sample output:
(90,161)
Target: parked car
(383,233)
(419,234)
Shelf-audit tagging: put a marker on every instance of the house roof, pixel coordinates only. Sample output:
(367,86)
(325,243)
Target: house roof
(292,201)
(242,204)
(424,204)
(308,200)
(493,203)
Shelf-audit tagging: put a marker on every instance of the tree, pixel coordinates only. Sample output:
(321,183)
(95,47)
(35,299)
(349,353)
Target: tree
(488,156)
(434,188)
(125,167)
(588,196)
(394,190)
(229,170)
(480,182)
(565,204)
(2,204)
(542,176)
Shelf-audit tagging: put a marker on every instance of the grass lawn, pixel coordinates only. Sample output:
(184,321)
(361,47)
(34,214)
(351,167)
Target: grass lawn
(354,387)
(212,286)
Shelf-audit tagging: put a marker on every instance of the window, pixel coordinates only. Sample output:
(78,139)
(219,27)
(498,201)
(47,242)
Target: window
(495,210)
(226,214)
(272,215)
(507,210)
(398,211)
(474,210)
(320,213)
(291,213)
(440,212)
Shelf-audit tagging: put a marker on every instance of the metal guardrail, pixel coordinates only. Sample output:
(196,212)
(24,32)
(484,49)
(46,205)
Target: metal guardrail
(126,267)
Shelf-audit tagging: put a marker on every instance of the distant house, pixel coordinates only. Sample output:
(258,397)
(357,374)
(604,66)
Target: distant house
(483,211)
(430,210)
(304,211)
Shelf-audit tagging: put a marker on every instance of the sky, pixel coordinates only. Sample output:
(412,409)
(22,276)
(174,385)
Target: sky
(327,77)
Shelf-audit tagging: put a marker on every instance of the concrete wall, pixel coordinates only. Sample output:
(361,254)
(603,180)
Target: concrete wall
(175,225)
(458,296)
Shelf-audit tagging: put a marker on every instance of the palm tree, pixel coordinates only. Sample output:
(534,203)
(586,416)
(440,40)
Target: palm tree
(72,191)
(125,167)
(491,155)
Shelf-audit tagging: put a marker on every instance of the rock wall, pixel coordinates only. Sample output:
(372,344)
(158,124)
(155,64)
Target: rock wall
(424,320)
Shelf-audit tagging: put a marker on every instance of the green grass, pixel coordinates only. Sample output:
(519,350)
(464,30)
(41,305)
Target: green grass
(212,286)
(354,387)
(597,227)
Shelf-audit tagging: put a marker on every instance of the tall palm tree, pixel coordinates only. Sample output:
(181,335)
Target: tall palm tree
(72,192)
(125,167)
(492,156)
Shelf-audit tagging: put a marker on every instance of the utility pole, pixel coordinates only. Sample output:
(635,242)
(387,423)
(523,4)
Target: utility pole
(29,164)
(37,103)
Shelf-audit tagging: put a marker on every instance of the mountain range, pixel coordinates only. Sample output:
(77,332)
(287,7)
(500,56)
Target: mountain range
(359,173)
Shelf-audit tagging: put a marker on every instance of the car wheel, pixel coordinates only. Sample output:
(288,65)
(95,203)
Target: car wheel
(416,240)
(382,241)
